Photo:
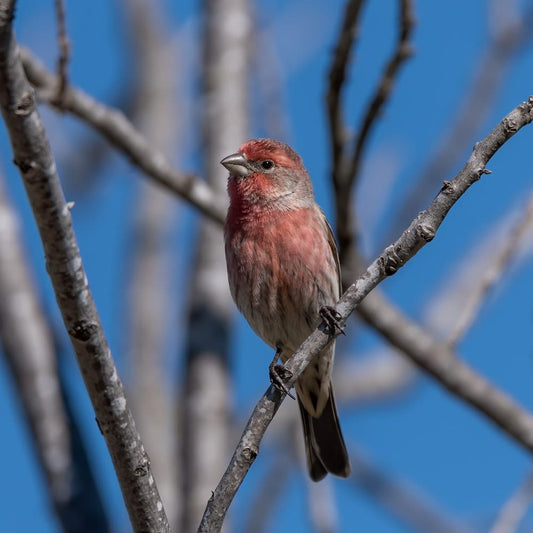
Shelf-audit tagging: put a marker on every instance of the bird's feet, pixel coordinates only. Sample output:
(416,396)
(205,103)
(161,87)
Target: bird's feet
(279,374)
(331,320)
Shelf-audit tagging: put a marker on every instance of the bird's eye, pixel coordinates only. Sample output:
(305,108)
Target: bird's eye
(267,165)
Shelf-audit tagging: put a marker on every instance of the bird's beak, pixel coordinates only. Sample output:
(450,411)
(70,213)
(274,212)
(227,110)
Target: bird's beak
(237,164)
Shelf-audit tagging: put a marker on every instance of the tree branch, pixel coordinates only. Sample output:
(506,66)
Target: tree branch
(64,52)
(270,492)
(345,164)
(384,88)
(28,347)
(400,500)
(149,317)
(322,509)
(452,373)
(373,379)
(512,34)
(207,396)
(33,156)
(492,273)
(515,508)
(441,362)
(123,135)
(337,77)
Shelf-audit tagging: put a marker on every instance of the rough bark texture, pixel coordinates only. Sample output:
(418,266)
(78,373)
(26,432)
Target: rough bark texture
(29,348)
(457,377)
(33,156)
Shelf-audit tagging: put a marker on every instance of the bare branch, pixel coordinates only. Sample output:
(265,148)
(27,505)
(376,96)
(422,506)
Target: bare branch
(122,134)
(401,500)
(346,165)
(208,388)
(33,156)
(345,225)
(337,77)
(270,492)
(491,274)
(460,290)
(29,348)
(439,361)
(155,108)
(511,35)
(322,510)
(375,378)
(384,88)
(243,457)
(514,509)
(64,52)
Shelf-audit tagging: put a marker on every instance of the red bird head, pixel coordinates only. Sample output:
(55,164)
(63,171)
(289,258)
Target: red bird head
(265,173)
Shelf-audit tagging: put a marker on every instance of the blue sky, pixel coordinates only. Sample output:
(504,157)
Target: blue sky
(424,438)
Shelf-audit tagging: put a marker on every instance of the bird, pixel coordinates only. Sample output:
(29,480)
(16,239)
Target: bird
(284,274)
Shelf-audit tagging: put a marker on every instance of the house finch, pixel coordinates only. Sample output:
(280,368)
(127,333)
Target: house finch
(283,269)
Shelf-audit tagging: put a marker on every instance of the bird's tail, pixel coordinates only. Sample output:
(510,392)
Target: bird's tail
(324,444)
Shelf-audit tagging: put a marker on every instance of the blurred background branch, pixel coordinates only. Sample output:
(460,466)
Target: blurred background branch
(400,499)
(506,250)
(34,159)
(515,508)
(155,111)
(30,350)
(164,110)
(206,406)
(511,34)
(121,133)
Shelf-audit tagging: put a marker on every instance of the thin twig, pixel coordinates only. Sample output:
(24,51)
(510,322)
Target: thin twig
(447,369)
(122,134)
(515,508)
(33,156)
(64,53)
(337,77)
(491,274)
(345,164)
(383,91)
(447,197)
(519,428)
(511,36)
(460,285)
